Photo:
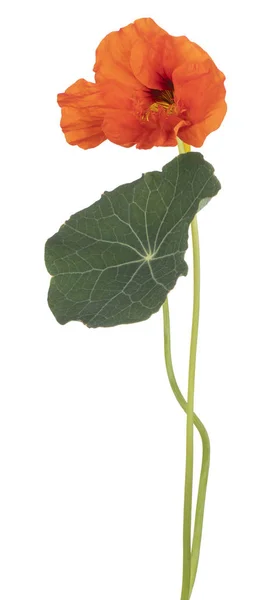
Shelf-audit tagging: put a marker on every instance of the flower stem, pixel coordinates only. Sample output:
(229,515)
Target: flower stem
(191,551)
(198,524)
(187,522)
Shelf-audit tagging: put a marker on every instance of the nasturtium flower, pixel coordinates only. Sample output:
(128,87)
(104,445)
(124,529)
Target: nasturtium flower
(149,88)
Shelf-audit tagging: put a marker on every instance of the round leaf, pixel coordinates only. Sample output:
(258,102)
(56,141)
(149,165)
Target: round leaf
(115,261)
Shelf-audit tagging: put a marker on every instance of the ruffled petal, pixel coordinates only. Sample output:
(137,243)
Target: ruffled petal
(158,136)
(122,128)
(113,53)
(196,134)
(146,63)
(181,51)
(116,95)
(147,29)
(153,64)
(82,114)
(200,89)
(160,129)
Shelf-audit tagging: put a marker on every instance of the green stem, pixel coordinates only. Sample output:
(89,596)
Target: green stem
(192,365)
(187,521)
(190,552)
(198,524)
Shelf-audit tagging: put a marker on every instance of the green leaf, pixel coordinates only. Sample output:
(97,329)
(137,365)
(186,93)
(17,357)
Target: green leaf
(116,261)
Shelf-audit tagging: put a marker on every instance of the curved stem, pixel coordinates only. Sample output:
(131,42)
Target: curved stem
(191,384)
(187,522)
(190,552)
(199,514)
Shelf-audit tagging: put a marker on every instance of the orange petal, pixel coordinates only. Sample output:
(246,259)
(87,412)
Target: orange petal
(82,114)
(181,51)
(147,29)
(156,137)
(160,130)
(196,134)
(121,127)
(146,64)
(153,64)
(113,53)
(200,89)
(116,95)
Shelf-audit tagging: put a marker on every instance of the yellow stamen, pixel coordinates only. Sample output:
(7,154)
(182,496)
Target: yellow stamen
(162,98)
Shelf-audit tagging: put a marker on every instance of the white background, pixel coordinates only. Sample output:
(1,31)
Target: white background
(92,440)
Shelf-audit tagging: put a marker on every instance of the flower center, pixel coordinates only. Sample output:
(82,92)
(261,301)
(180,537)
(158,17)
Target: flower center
(160,104)
(162,99)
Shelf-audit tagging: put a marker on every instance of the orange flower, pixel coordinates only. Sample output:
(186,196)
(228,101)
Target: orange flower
(150,87)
